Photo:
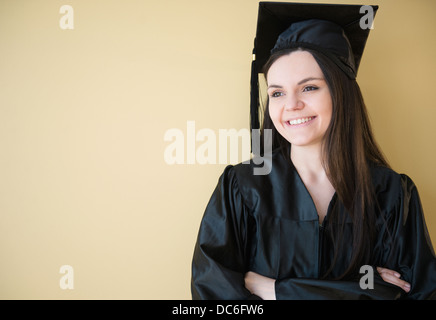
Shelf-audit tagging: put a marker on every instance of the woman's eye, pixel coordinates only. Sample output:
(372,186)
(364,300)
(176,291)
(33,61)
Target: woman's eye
(310,88)
(276,94)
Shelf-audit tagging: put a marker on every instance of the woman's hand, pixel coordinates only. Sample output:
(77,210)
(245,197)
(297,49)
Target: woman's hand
(393,277)
(261,286)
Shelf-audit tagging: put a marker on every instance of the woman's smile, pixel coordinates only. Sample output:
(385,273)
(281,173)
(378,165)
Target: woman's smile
(300,122)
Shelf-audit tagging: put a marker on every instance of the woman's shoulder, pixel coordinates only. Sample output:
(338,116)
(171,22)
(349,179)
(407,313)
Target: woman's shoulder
(254,179)
(386,177)
(391,187)
(260,169)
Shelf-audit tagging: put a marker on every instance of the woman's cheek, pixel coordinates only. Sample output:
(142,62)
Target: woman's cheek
(274,113)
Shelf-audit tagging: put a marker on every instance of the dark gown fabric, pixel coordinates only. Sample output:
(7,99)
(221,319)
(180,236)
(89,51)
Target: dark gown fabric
(268,224)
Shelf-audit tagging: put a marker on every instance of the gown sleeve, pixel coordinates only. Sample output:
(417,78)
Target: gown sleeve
(409,252)
(315,289)
(219,262)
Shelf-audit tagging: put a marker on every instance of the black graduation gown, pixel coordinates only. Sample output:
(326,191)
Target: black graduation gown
(269,224)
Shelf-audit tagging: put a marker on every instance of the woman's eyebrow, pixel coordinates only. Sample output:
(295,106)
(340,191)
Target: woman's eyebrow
(299,83)
(274,86)
(309,79)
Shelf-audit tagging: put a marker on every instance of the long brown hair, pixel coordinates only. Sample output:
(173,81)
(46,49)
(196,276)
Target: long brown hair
(348,148)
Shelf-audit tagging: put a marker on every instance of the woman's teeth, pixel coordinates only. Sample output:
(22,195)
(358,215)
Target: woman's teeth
(299,121)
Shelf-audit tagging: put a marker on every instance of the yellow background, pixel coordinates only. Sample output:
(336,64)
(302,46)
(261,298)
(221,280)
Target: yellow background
(83,113)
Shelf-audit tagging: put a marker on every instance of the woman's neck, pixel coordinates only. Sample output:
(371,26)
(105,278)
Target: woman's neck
(308,161)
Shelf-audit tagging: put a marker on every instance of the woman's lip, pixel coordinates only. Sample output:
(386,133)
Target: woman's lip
(300,121)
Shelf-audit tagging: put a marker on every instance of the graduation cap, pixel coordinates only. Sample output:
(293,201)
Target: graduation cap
(331,29)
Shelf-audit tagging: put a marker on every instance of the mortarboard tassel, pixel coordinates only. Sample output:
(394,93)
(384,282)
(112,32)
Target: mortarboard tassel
(254,96)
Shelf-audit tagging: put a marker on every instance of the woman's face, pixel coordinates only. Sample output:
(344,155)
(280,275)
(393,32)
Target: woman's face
(300,104)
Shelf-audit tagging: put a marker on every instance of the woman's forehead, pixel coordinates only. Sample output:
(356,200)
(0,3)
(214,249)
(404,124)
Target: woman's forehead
(294,67)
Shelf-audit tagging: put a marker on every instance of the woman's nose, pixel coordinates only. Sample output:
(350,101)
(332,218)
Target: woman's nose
(293,104)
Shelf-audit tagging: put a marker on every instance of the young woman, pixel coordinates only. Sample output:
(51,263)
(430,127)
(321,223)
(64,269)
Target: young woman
(330,204)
